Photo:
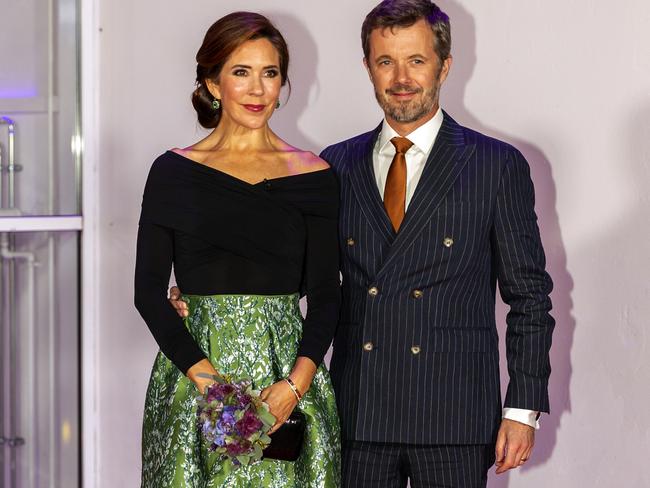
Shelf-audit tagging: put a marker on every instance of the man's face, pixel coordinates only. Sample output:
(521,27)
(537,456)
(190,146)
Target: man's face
(406,72)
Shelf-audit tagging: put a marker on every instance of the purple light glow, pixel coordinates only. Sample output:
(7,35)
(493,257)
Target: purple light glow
(18,92)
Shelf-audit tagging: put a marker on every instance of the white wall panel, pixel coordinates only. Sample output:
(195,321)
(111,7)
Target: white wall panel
(567,82)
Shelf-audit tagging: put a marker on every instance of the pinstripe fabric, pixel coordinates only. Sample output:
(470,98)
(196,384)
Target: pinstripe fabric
(373,464)
(471,223)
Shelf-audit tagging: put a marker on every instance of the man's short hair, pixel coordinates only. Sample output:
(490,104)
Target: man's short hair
(405,13)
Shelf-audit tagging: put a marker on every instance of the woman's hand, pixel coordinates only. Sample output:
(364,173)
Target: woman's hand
(281,398)
(197,374)
(281,401)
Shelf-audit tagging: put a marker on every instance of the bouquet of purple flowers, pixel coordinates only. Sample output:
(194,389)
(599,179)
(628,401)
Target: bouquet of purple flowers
(234,421)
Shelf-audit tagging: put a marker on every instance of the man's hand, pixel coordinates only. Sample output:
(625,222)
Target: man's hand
(177,303)
(514,445)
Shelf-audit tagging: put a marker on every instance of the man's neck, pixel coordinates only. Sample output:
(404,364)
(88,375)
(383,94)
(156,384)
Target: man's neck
(405,128)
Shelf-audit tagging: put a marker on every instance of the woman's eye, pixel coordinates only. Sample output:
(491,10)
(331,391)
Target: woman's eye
(240,72)
(271,73)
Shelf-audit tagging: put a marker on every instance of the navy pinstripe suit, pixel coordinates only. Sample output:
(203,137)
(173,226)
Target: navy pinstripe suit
(415,354)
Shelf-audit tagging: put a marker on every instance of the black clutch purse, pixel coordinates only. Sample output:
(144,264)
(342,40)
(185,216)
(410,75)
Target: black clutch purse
(286,442)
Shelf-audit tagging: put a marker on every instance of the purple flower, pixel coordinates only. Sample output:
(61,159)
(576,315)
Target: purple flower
(238,448)
(243,399)
(219,391)
(248,424)
(208,429)
(228,414)
(219,440)
(219,408)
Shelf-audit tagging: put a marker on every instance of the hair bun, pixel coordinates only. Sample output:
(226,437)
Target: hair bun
(202,103)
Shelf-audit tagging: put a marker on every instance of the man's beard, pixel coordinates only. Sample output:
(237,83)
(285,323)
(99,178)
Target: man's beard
(411,110)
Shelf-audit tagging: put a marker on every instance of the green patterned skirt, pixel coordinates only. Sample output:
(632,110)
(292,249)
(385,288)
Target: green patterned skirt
(249,337)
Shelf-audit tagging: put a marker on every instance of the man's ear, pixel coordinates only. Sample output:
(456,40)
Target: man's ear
(446,67)
(213,88)
(365,64)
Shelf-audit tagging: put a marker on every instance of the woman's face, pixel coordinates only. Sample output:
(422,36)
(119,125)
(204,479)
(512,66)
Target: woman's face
(249,84)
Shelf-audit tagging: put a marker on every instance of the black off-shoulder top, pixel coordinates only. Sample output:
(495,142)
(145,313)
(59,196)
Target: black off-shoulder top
(226,236)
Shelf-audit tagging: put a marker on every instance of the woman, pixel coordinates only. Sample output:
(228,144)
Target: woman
(248,221)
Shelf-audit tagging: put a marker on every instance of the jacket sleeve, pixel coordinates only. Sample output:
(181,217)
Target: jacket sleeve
(525,286)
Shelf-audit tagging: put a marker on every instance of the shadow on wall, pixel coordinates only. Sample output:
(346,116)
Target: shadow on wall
(464,49)
(302,73)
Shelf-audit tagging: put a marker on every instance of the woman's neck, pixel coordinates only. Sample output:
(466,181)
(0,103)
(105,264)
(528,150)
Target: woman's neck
(230,136)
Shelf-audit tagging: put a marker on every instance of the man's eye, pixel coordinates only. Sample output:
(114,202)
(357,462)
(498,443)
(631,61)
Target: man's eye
(385,62)
(418,61)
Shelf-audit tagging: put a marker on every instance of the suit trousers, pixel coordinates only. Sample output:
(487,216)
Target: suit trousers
(390,465)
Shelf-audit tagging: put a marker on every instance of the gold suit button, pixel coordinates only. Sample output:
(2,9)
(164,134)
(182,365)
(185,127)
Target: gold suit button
(350,241)
(368,346)
(447,242)
(415,349)
(417,294)
(373,291)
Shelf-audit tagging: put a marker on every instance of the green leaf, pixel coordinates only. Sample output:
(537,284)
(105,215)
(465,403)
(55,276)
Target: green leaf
(243,460)
(265,440)
(257,452)
(266,417)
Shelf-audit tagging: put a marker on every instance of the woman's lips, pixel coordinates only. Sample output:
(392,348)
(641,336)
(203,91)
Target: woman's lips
(254,108)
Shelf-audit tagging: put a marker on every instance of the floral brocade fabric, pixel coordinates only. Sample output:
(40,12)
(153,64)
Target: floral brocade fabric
(249,337)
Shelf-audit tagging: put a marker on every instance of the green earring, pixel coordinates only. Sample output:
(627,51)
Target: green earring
(216,104)
(277,104)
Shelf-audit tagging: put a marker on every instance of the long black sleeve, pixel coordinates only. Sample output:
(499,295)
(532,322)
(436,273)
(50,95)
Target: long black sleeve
(322,287)
(155,251)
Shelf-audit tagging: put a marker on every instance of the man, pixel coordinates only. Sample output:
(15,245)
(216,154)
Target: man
(433,215)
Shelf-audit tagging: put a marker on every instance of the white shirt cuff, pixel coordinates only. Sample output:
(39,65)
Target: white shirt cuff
(528,417)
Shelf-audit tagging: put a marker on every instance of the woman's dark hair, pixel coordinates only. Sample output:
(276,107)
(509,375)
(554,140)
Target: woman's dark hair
(405,13)
(223,38)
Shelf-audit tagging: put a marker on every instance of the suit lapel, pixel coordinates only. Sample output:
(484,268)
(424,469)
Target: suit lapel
(447,159)
(364,187)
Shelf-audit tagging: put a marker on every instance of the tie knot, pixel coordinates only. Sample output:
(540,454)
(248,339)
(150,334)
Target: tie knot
(402,144)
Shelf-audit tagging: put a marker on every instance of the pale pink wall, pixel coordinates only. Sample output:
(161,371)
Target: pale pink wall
(566,82)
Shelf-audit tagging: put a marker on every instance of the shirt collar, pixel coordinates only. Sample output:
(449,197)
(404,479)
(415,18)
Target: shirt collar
(422,138)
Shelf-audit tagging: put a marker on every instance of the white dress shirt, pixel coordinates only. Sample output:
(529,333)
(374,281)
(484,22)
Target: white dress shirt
(423,139)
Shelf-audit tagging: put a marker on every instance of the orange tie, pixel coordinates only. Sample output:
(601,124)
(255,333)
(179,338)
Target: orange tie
(395,190)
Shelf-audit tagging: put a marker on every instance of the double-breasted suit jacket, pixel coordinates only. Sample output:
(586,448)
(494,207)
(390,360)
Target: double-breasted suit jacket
(416,350)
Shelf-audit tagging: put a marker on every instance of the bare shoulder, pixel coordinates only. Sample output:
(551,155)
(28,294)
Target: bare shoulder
(186,152)
(196,152)
(306,162)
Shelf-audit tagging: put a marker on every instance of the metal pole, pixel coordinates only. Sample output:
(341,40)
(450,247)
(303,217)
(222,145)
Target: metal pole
(7,245)
(12,438)
(7,254)
(51,256)
(11,166)
(3,349)
(2,178)
(5,435)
